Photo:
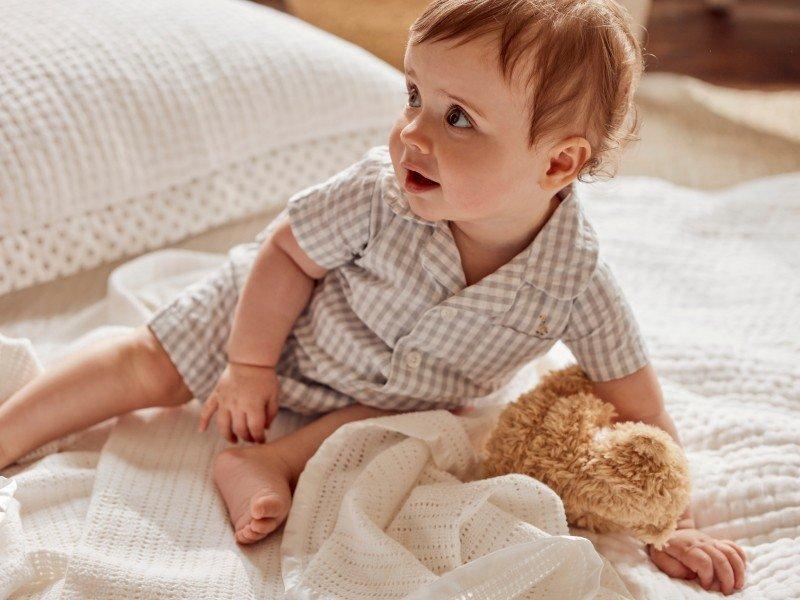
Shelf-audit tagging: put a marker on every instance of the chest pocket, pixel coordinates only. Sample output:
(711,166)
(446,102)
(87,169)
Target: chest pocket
(482,349)
(534,313)
(494,346)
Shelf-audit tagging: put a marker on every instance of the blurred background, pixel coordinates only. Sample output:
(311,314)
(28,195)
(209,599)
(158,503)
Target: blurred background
(739,43)
(722,75)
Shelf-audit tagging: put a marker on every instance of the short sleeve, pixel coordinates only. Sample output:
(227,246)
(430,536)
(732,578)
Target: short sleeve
(602,331)
(332,221)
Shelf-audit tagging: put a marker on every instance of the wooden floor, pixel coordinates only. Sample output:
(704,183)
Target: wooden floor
(754,44)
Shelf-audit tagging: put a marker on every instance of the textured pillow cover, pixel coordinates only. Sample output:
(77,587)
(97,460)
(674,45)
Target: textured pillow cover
(126,126)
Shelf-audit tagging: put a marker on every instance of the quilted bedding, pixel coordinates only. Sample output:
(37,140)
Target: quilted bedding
(126,126)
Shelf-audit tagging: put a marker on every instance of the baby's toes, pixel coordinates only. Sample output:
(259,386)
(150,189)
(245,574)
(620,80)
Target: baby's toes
(270,505)
(255,530)
(245,536)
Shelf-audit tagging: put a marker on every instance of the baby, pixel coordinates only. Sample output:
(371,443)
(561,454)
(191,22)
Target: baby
(422,277)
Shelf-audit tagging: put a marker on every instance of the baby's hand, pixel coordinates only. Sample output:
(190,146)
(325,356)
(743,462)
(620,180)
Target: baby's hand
(245,400)
(690,553)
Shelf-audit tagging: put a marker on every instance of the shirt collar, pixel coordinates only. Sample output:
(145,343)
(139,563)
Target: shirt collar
(559,261)
(562,258)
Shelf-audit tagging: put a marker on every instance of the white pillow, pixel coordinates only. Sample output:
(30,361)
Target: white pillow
(126,126)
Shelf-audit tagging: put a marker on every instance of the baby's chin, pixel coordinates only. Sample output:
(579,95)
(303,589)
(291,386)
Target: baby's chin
(427,206)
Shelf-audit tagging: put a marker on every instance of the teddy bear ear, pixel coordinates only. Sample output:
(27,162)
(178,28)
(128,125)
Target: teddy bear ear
(644,453)
(655,474)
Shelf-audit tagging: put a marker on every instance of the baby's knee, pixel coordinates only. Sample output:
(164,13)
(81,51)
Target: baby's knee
(153,370)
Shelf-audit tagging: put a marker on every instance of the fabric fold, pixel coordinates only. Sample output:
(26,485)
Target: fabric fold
(381,510)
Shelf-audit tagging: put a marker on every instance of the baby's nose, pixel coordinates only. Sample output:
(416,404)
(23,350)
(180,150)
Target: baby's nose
(415,139)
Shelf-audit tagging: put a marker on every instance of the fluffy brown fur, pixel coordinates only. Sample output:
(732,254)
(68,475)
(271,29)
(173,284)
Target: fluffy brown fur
(610,476)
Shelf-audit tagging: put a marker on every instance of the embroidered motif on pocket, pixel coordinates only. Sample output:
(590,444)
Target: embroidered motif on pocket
(542,329)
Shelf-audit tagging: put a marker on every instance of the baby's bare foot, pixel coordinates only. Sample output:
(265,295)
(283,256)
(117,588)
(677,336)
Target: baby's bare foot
(256,486)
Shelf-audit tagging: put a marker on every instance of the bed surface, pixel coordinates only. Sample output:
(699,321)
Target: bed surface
(713,279)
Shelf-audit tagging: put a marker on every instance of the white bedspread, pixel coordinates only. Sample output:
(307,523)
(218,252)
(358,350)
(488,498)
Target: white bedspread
(715,281)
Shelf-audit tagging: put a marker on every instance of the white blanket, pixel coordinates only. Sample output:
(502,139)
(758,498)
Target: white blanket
(714,279)
(380,509)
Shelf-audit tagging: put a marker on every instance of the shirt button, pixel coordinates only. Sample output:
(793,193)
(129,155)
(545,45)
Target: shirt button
(448,312)
(413,359)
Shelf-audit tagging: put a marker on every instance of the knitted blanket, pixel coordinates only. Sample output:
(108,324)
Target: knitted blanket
(714,278)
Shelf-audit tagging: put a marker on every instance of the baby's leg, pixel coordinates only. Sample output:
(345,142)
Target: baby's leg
(257,482)
(105,379)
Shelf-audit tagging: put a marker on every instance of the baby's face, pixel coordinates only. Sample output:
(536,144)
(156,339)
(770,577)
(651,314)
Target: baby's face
(465,130)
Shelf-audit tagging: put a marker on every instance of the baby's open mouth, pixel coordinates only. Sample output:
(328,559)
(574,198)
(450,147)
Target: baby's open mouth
(417,183)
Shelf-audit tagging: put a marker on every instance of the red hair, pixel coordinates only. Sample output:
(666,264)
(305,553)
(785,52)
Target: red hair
(579,61)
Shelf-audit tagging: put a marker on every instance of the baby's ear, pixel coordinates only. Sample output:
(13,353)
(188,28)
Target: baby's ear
(565,161)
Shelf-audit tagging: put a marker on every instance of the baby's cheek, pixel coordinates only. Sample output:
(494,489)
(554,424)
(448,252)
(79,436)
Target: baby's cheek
(395,143)
(395,147)
(469,180)
(466,194)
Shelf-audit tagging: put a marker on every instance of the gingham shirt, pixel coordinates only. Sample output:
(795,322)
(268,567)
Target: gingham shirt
(393,324)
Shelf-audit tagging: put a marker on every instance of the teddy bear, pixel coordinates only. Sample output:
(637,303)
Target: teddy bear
(622,476)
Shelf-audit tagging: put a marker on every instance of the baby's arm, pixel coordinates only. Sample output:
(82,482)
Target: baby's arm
(605,338)
(638,397)
(323,227)
(719,564)
(277,289)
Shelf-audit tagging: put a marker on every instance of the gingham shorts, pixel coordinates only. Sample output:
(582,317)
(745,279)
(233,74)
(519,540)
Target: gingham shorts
(194,327)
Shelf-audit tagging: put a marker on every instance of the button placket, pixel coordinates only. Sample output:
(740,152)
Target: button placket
(413,359)
(449,313)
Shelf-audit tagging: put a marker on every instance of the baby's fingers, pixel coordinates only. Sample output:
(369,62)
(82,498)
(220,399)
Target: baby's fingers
(722,568)
(738,548)
(736,562)
(698,561)
(239,425)
(671,566)
(224,425)
(255,423)
(271,409)
(208,410)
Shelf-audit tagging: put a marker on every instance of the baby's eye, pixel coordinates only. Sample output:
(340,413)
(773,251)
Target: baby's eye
(413,97)
(458,118)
